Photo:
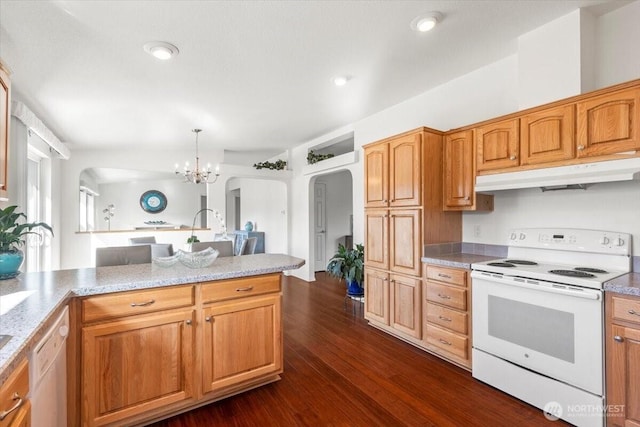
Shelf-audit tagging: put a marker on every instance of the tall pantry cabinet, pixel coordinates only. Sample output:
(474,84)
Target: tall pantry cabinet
(403,212)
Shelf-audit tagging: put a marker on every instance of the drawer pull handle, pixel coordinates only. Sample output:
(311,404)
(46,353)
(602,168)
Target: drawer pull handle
(444,296)
(446,276)
(618,338)
(635,313)
(445,342)
(18,404)
(142,304)
(446,319)
(247,289)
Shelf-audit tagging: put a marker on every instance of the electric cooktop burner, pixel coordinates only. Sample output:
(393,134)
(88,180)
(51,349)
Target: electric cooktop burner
(521,262)
(591,270)
(572,273)
(501,264)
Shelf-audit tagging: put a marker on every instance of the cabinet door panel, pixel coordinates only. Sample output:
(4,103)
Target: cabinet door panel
(406,305)
(376,300)
(376,172)
(377,239)
(547,136)
(497,145)
(5,121)
(609,123)
(242,341)
(405,237)
(623,370)
(458,169)
(136,365)
(404,171)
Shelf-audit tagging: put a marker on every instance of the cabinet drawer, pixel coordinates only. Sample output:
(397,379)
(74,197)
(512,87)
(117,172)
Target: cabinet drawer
(447,318)
(18,383)
(137,302)
(447,275)
(238,288)
(447,295)
(447,341)
(626,309)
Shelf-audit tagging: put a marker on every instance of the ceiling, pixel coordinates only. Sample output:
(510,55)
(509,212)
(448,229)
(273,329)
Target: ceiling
(254,75)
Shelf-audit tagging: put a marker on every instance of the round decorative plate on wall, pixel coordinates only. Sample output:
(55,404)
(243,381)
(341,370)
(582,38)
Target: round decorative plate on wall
(153,201)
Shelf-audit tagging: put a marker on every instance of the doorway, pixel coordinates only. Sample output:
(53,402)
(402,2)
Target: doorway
(332,222)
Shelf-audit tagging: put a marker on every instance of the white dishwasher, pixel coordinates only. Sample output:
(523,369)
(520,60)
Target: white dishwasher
(48,376)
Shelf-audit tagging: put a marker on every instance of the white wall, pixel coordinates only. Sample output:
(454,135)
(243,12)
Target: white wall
(183,201)
(264,203)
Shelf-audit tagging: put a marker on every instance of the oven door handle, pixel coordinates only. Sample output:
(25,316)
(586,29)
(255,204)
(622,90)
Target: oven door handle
(591,294)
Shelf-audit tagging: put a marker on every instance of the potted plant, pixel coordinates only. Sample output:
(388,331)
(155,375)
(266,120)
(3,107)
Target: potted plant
(12,235)
(348,264)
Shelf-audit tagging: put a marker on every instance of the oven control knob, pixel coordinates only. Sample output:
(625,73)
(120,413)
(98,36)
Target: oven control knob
(618,241)
(513,236)
(522,236)
(604,240)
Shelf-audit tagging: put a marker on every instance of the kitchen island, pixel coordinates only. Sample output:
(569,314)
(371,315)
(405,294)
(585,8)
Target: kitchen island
(241,289)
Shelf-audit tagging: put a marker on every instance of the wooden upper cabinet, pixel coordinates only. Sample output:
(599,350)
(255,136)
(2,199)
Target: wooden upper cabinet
(5,116)
(497,145)
(609,123)
(458,170)
(405,168)
(376,172)
(547,135)
(392,171)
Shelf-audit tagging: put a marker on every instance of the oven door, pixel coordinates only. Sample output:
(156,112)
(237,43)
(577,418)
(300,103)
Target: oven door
(552,329)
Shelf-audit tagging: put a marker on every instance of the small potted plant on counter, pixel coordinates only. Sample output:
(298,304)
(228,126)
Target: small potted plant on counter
(12,236)
(348,264)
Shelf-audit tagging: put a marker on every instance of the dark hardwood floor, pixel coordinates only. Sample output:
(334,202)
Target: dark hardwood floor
(338,371)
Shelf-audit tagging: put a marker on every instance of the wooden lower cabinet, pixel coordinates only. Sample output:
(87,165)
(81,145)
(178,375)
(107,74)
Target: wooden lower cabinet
(242,341)
(392,302)
(447,313)
(135,365)
(623,360)
(14,405)
(146,355)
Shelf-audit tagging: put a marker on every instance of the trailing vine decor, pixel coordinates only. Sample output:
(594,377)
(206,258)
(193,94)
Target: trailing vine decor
(315,158)
(277,165)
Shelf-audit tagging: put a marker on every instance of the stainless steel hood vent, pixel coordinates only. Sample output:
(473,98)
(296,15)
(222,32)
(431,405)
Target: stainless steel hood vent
(587,173)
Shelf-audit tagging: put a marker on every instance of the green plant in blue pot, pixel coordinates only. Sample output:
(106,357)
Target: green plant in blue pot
(12,235)
(348,264)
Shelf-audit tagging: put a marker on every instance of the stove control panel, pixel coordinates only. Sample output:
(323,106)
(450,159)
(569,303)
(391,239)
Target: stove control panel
(570,239)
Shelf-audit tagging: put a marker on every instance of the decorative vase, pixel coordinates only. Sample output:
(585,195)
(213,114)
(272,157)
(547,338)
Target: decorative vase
(10,263)
(248,226)
(354,289)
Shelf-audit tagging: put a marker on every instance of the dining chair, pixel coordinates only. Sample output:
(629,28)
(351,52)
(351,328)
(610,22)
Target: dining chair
(123,255)
(250,247)
(224,247)
(142,240)
(161,250)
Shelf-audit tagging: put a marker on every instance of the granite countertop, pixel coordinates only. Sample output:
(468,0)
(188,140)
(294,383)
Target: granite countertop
(30,303)
(457,260)
(628,284)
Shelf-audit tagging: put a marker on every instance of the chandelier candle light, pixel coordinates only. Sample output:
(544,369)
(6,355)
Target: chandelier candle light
(197,175)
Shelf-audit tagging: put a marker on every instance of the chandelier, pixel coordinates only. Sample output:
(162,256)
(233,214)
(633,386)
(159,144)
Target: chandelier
(197,175)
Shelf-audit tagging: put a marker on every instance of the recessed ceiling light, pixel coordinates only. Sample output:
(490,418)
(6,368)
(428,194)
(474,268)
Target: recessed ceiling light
(161,50)
(426,22)
(341,80)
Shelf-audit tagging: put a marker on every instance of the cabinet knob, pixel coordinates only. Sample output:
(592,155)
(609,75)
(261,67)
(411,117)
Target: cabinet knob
(188,322)
(512,158)
(18,404)
(580,147)
(466,198)
(207,319)
(385,201)
(618,338)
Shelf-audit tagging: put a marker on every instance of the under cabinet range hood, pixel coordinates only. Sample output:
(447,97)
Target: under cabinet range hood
(586,173)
